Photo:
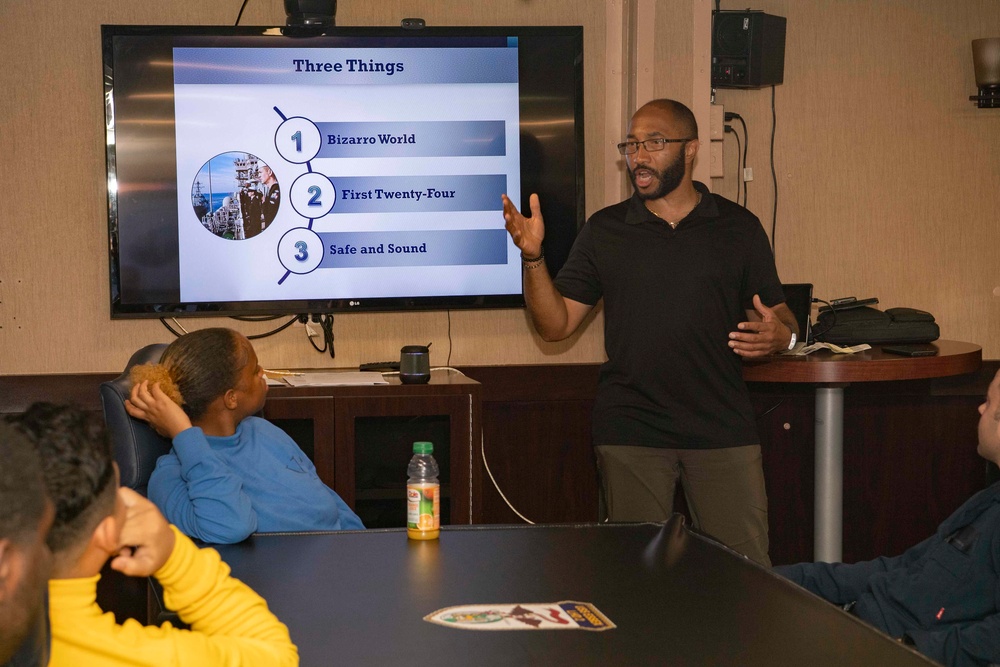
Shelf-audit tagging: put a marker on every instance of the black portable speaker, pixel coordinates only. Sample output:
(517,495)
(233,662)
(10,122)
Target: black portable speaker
(414,364)
(748,49)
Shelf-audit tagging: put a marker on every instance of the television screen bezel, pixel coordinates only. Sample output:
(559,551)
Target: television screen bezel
(556,245)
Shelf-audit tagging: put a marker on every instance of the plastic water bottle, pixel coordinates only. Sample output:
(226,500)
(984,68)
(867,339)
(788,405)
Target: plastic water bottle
(423,494)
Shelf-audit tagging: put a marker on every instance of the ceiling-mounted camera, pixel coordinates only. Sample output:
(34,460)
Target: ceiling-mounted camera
(311,13)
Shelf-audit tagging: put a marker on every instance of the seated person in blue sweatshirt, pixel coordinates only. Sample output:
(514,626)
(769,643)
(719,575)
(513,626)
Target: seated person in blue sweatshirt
(942,595)
(229,474)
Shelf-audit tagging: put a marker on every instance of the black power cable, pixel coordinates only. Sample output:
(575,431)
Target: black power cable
(290,322)
(729,129)
(833,319)
(256,318)
(240,15)
(326,324)
(284,326)
(730,115)
(774,177)
(448,363)
(172,330)
(770,409)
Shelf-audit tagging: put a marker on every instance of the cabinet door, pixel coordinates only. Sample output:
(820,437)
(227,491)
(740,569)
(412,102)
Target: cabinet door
(375,437)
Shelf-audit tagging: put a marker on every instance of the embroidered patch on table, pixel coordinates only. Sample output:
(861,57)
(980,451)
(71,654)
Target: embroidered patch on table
(564,615)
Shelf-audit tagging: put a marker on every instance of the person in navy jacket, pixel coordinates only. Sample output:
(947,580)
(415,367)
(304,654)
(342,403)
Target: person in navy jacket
(942,595)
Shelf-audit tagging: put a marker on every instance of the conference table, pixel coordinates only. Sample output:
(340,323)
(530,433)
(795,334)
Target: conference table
(831,373)
(673,597)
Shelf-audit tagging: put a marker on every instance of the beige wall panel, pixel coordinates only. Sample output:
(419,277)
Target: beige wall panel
(53,263)
(682,64)
(674,50)
(887,174)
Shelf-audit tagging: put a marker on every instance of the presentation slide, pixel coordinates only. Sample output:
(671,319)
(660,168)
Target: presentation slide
(327,173)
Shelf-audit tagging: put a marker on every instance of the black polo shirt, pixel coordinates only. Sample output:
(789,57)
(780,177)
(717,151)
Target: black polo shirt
(671,298)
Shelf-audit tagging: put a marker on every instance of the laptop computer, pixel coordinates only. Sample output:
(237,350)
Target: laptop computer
(798,298)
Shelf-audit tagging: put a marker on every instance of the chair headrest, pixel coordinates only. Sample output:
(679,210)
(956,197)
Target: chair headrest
(136,446)
(150,354)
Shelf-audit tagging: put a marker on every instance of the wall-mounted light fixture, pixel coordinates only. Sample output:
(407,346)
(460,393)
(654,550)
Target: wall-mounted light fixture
(986,61)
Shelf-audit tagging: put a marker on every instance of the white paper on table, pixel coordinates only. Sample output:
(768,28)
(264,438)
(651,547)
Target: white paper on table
(827,346)
(334,379)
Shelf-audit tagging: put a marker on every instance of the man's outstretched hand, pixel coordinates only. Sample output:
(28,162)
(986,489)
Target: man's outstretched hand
(527,233)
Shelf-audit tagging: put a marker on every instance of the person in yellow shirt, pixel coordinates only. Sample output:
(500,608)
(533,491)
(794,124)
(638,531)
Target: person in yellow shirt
(96,521)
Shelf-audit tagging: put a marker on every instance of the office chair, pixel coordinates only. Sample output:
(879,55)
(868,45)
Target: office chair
(136,448)
(136,445)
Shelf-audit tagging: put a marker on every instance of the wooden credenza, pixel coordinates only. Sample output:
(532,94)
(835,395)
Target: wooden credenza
(361,438)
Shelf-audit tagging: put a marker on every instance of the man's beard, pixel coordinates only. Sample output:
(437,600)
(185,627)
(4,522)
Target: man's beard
(668,178)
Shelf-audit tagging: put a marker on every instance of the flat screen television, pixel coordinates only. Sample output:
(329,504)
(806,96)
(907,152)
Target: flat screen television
(268,171)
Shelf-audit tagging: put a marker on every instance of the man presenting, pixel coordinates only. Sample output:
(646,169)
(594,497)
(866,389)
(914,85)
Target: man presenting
(689,287)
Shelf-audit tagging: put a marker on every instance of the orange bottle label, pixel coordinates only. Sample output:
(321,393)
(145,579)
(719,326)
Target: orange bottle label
(423,506)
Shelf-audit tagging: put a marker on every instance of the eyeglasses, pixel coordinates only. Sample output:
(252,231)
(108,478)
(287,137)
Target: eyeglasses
(651,145)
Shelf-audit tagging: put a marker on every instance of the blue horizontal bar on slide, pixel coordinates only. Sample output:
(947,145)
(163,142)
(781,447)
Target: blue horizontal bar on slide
(413,139)
(414,248)
(418,194)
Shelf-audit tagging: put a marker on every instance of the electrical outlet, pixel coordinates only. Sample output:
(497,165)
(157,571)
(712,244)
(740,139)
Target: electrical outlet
(747,174)
(715,167)
(715,122)
(716,133)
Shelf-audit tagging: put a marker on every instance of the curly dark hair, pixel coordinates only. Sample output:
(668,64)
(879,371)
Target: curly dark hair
(77,466)
(22,492)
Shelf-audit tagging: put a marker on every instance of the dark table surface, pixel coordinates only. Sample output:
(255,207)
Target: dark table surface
(677,599)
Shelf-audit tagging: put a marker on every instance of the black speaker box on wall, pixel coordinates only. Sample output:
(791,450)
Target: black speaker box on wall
(748,49)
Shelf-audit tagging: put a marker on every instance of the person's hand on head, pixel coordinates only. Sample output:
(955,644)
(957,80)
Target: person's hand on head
(146,540)
(527,233)
(759,339)
(148,403)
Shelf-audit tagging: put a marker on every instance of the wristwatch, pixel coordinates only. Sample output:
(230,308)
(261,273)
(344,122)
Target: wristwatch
(791,343)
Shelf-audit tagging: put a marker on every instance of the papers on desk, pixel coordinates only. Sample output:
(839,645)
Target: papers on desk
(837,349)
(335,379)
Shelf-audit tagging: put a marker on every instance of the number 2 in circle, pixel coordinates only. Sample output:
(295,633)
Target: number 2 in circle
(302,254)
(316,193)
(297,138)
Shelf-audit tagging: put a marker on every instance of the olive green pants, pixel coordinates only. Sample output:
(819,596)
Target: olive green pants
(724,489)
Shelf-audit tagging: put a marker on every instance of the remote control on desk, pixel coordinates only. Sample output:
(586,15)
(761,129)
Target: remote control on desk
(380,366)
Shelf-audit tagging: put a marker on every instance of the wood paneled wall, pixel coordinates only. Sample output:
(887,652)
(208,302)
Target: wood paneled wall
(887,174)
(909,450)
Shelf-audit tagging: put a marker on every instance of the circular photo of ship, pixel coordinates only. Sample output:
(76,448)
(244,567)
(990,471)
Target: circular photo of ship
(235,195)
